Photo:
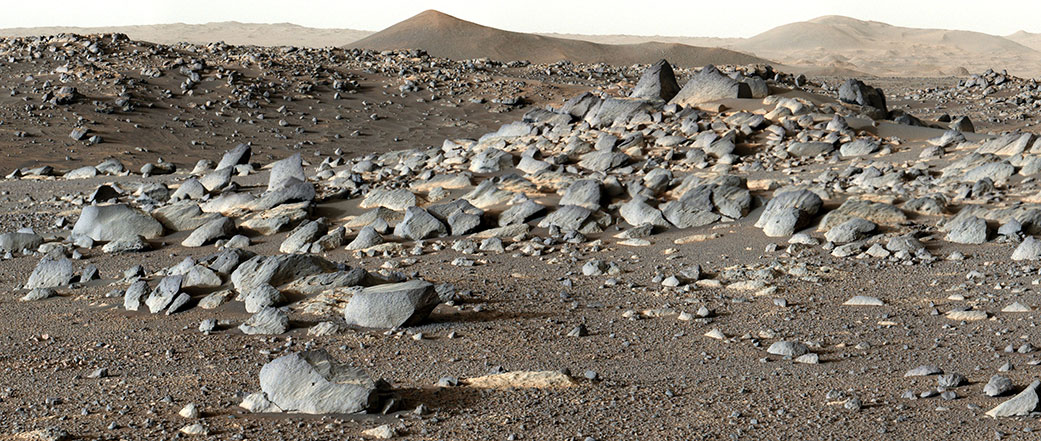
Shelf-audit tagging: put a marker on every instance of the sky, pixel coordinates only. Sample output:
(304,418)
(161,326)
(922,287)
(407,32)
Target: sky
(692,18)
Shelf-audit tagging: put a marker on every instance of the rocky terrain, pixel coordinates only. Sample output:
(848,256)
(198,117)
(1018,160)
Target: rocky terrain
(242,242)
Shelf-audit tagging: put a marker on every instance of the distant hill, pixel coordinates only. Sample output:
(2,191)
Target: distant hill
(231,32)
(445,36)
(884,49)
(1027,39)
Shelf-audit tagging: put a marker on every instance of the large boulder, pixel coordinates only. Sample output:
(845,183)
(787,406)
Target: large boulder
(51,273)
(391,305)
(285,171)
(657,82)
(236,156)
(710,85)
(277,270)
(418,224)
(15,242)
(113,222)
(854,91)
(314,383)
(788,212)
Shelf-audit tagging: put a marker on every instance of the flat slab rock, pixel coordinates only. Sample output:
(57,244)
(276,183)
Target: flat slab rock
(521,379)
(313,382)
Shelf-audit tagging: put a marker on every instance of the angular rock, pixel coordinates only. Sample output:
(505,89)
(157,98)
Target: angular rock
(314,383)
(391,305)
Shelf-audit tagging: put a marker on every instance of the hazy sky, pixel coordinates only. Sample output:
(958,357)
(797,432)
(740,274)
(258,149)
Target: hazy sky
(712,18)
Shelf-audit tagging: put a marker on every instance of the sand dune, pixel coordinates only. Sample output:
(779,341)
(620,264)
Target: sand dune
(231,32)
(446,36)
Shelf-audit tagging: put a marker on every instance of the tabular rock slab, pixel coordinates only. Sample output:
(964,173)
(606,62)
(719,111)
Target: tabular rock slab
(710,85)
(967,316)
(923,371)
(788,212)
(112,222)
(182,216)
(200,277)
(858,147)
(15,242)
(1016,307)
(1030,249)
(217,179)
(863,301)
(277,270)
(292,190)
(51,273)
(460,215)
(268,321)
(877,212)
(657,82)
(397,199)
(787,349)
(567,216)
(1019,405)
(392,305)
(967,230)
(613,111)
(804,149)
(210,231)
(418,224)
(521,379)
(314,383)
(850,231)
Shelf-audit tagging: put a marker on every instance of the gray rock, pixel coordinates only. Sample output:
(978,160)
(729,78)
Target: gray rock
(418,224)
(814,148)
(460,215)
(292,190)
(1029,249)
(366,238)
(126,244)
(951,380)
(38,294)
(299,241)
(112,222)
(637,212)
(261,297)
(615,110)
(657,82)
(284,172)
(134,294)
(788,212)
(201,277)
(602,161)
(268,321)
(583,193)
(491,160)
(850,231)
(997,386)
(277,270)
(50,273)
(391,305)
(967,230)
(214,229)
(520,213)
(236,156)
(1022,404)
(858,147)
(854,91)
(182,216)
(567,217)
(314,383)
(710,84)
(923,371)
(164,293)
(397,199)
(217,179)
(732,201)
(787,349)
(16,242)
(190,189)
